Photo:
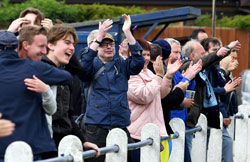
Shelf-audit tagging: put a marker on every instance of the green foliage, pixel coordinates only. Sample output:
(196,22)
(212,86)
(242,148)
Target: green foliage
(238,21)
(97,11)
(65,13)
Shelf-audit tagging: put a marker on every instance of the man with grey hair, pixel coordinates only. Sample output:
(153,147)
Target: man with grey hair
(193,51)
(92,36)
(175,48)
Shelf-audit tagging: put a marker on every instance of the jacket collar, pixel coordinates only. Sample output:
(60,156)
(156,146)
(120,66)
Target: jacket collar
(8,54)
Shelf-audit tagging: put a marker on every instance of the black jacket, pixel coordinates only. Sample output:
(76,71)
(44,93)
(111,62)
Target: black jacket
(172,101)
(194,113)
(69,105)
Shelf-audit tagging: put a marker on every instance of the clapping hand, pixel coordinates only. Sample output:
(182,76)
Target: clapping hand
(173,67)
(104,28)
(127,23)
(158,66)
(192,70)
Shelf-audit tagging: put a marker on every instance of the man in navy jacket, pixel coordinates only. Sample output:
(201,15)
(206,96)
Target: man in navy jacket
(20,105)
(107,104)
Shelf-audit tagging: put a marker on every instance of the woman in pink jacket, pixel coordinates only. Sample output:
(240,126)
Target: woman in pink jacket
(145,92)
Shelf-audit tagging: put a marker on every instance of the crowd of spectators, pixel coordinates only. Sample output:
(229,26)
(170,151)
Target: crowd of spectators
(48,93)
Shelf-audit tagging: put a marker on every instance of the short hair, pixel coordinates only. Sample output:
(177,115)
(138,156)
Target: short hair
(61,31)
(194,33)
(28,33)
(214,41)
(92,35)
(144,44)
(188,48)
(172,40)
(40,15)
(155,51)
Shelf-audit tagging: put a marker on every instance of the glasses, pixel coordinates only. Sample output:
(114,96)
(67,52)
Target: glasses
(111,44)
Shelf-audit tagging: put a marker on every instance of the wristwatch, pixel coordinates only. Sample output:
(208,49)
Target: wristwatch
(96,41)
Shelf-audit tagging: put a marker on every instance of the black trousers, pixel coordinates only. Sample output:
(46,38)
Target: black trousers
(98,135)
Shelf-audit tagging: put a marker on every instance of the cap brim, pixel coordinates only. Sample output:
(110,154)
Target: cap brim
(108,39)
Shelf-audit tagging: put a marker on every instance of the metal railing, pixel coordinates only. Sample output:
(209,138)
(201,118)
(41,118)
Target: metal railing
(115,148)
(240,116)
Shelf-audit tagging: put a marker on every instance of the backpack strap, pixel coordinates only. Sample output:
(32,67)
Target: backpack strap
(80,119)
(97,74)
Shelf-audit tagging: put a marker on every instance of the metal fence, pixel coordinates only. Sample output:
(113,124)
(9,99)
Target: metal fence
(70,148)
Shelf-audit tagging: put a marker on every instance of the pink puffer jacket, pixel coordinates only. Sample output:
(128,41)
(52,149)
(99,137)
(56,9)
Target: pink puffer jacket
(144,97)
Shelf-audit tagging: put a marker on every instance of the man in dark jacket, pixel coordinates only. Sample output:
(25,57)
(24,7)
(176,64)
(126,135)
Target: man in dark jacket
(106,80)
(224,89)
(61,41)
(21,105)
(193,51)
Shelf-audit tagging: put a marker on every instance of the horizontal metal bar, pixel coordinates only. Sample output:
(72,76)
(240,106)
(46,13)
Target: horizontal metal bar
(134,146)
(115,148)
(240,116)
(170,137)
(67,158)
(193,130)
(103,151)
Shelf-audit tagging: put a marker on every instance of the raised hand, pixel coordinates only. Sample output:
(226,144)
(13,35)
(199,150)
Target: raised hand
(235,45)
(36,85)
(232,84)
(6,127)
(127,23)
(237,81)
(225,62)
(158,66)
(222,51)
(232,66)
(104,28)
(47,23)
(17,23)
(123,49)
(173,67)
(192,70)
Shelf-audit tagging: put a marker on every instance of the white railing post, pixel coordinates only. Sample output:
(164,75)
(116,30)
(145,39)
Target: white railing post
(199,145)
(231,127)
(248,135)
(177,154)
(71,145)
(241,135)
(215,143)
(18,151)
(117,137)
(150,153)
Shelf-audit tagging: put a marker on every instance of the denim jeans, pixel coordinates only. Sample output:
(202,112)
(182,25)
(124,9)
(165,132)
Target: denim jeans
(227,146)
(188,146)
